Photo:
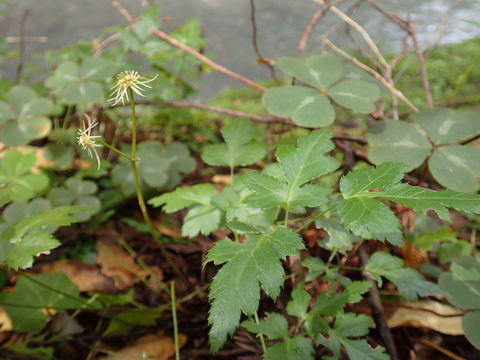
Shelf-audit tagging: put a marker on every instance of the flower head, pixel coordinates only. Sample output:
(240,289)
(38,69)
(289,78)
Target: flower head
(87,141)
(129,79)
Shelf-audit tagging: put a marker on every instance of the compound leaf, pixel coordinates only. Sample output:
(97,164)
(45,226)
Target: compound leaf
(296,348)
(357,95)
(274,327)
(184,197)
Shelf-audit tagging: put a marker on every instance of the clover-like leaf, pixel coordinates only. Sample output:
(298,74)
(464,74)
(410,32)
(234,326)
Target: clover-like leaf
(311,107)
(23,117)
(80,83)
(77,192)
(306,106)
(17,211)
(448,126)
(158,166)
(456,167)
(397,141)
(19,183)
(238,150)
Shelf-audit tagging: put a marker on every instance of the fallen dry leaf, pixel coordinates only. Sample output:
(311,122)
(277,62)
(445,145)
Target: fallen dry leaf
(5,322)
(117,264)
(430,317)
(413,256)
(151,346)
(86,277)
(222,179)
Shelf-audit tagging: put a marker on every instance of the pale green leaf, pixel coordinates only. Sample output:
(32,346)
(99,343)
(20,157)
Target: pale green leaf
(274,327)
(184,197)
(338,239)
(21,254)
(202,219)
(456,167)
(268,192)
(397,141)
(408,281)
(357,95)
(352,325)
(361,350)
(320,71)
(471,326)
(448,126)
(297,348)
(298,306)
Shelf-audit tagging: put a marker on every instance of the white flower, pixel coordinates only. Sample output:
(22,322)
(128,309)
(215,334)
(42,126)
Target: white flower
(87,141)
(129,79)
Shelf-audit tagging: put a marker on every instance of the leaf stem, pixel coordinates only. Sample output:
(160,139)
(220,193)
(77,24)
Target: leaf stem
(175,323)
(262,340)
(138,189)
(312,219)
(114,149)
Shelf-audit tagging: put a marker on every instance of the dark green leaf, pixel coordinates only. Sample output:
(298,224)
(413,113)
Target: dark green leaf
(274,327)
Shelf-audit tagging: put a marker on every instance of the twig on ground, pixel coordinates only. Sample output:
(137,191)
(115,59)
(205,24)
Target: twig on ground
(438,348)
(164,36)
(260,58)
(377,309)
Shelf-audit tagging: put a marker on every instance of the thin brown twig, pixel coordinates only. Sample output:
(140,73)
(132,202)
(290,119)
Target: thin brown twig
(260,58)
(438,348)
(164,36)
(21,45)
(377,309)
(228,112)
(421,62)
(374,73)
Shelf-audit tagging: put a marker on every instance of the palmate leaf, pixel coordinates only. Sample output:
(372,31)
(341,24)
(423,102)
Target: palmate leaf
(248,267)
(299,165)
(367,217)
(238,150)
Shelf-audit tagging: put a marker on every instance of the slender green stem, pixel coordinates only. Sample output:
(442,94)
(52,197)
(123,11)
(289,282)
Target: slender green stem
(286,218)
(114,149)
(175,323)
(68,115)
(312,219)
(138,190)
(262,340)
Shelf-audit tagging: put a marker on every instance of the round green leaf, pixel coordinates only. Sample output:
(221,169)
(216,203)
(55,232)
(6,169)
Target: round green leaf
(93,205)
(81,187)
(34,127)
(5,112)
(447,125)
(456,167)
(61,196)
(471,326)
(83,92)
(19,96)
(180,159)
(62,155)
(320,71)
(96,68)
(396,141)
(357,95)
(306,106)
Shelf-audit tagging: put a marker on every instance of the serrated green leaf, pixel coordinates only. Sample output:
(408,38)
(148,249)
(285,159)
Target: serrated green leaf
(184,197)
(356,289)
(357,95)
(236,287)
(297,348)
(316,267)
(286,242)
(361,350)
(238,150)
(298,306)
(305,106)
(338,239)
(329,305)
(25,305)
(456,167)
(448,126)
(274,327)
(320,71)
(397,141)
(363,180)
(352,325)
(268,192)
(202,219)
(408,281)
(369,219)
(22,252)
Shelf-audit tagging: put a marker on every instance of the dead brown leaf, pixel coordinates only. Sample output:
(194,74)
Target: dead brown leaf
(117,264)
(86,277)
(222,179)
(151,346)
(413,256)
(428,314)
(5,323)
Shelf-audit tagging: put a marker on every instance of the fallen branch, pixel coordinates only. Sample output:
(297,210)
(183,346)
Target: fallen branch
(164,36)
